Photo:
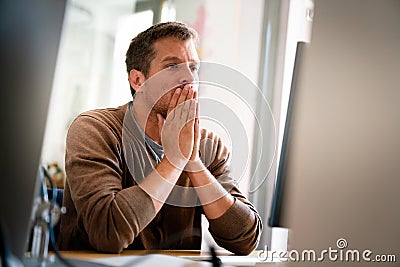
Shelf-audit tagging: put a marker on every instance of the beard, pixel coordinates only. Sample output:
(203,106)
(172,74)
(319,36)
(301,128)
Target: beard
(161,108)
(162,104)
(158,97)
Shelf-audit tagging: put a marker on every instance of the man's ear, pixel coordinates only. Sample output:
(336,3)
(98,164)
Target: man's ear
(136,79)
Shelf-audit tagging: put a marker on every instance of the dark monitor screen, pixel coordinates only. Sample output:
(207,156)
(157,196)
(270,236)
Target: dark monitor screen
(339,169)
(276,218)
(30,33)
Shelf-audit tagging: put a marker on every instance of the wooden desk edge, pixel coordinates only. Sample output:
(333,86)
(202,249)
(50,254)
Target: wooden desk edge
(88,254)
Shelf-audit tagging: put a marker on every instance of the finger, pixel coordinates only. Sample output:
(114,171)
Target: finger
(197,108)
(187,103)
(196,135)
(196,139)
(190,94)
(196,123)
(174,100)
(190,109)
(183,96)
(161,122)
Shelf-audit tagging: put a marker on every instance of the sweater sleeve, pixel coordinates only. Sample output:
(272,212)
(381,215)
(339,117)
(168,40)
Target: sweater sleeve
(111,216)
(239,228)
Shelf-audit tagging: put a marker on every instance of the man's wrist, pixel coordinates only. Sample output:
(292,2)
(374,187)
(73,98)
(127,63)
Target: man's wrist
(176,163)
(194,166)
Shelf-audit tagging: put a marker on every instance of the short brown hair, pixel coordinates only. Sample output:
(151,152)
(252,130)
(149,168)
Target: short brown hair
(141,51)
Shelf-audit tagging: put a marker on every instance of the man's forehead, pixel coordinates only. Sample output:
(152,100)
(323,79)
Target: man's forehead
(173,49)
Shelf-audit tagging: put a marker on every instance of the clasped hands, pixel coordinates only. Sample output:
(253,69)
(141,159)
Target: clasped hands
(179,131)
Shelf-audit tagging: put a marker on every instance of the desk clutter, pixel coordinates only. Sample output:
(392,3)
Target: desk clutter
(57,175)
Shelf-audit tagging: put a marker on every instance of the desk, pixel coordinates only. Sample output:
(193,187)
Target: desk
(227,258)
(88,254)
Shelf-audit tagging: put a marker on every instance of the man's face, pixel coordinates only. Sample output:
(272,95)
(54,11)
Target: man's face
(175,64)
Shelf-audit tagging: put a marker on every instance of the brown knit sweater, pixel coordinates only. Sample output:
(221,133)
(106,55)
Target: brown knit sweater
(108,212)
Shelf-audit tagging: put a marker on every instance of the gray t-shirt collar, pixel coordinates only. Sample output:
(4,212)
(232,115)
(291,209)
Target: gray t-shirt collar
(156,150)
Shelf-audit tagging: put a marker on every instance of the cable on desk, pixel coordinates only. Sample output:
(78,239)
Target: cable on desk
(45,175)
(215,260)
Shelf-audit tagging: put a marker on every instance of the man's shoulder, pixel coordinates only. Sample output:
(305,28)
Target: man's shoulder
(101,113)
(105,115)
(100,120)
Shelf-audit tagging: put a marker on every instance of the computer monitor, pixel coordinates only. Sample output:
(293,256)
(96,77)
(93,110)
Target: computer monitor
(339,170)
(276,218)
(30,33)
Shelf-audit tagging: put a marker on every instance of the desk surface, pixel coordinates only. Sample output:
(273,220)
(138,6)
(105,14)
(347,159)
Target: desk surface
(87,254)
(226,257)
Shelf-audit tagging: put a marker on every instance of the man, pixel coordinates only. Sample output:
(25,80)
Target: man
(141,175)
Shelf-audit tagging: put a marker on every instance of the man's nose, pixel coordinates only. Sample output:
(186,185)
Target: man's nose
(186,75)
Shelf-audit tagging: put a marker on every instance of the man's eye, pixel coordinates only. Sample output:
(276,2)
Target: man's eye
(194,68)
(172,66)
